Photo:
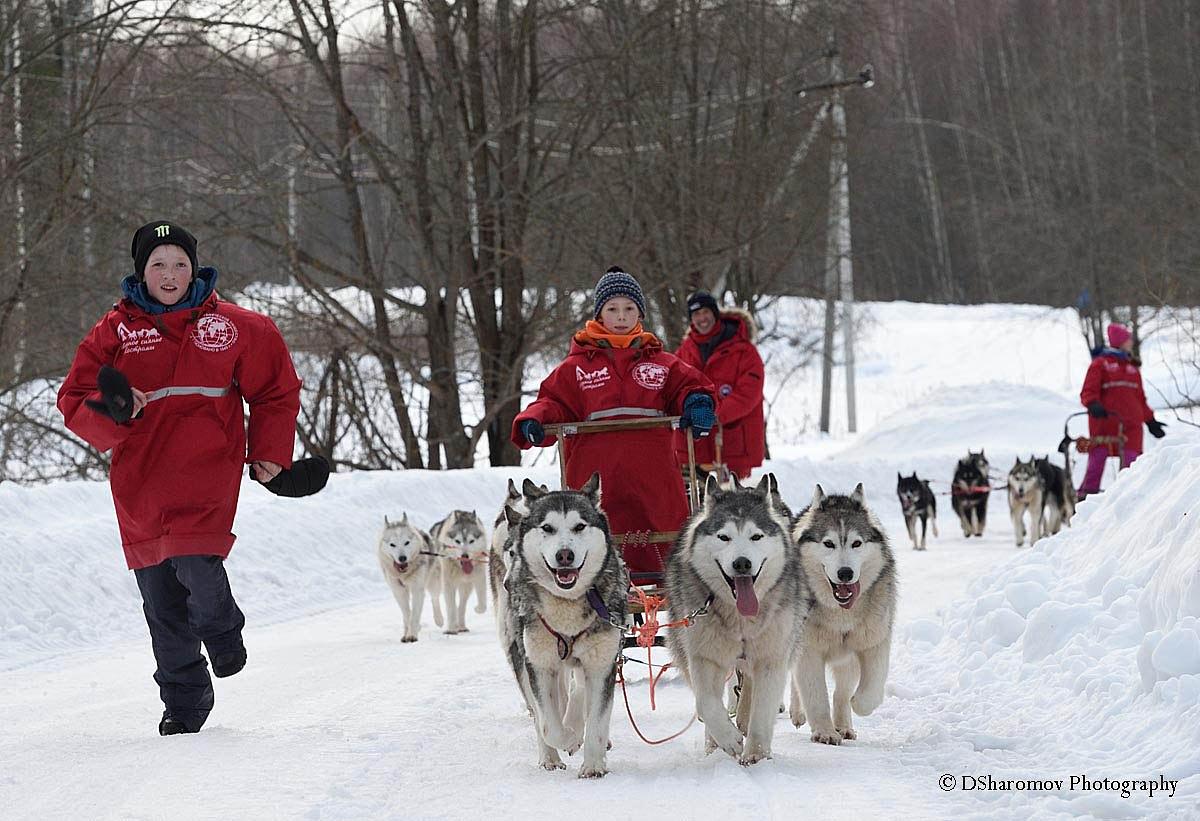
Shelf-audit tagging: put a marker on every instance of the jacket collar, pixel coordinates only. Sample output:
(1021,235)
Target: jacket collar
(203,285)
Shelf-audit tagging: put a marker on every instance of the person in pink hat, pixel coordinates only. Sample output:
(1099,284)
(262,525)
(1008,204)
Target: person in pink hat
(1116,403)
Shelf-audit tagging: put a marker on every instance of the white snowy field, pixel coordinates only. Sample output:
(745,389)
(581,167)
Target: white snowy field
(1078,657)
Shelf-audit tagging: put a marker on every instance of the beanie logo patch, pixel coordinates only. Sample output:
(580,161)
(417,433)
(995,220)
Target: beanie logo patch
(162,230)
(651,376)
(590,380)
(214,333)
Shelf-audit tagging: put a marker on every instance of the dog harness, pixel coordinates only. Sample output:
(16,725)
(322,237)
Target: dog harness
(567,645)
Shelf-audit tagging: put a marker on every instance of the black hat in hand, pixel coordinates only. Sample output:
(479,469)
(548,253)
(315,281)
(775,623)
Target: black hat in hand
(115,394)
(304,478)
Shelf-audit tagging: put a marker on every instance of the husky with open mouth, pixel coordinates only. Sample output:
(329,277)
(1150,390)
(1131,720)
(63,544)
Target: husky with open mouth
(406,557)
(849,564)
(459,538)
(736,562)
(567,588)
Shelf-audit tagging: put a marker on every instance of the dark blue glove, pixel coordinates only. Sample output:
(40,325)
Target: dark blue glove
(533,432)
(698,413)
(1156,428)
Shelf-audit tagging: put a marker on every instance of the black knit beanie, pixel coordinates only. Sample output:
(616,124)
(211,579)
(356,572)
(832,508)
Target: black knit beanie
(703,299)
(616,282)
(153,234)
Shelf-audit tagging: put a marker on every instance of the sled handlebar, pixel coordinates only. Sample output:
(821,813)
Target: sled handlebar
(565,429)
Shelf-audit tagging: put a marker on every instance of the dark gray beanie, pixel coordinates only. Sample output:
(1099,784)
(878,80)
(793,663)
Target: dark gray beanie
(616,282)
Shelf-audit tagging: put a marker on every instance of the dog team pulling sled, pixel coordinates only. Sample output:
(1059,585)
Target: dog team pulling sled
(743,582)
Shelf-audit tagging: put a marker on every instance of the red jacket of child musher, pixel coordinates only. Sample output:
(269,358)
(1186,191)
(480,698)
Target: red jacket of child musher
(1115,382)
(736,371)
(176,468)
(640,484)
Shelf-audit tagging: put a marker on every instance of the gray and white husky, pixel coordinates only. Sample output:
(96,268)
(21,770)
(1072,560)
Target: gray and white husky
(500,553)
(1026,494)
(848,562)
(735,558)
(567,589)
(407,559)
(459,538)
(1059,498)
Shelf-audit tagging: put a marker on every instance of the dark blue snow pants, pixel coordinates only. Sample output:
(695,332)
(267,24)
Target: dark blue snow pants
(187,601)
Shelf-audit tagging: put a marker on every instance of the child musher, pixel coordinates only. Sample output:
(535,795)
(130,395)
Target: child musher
(160,381)
(617,370)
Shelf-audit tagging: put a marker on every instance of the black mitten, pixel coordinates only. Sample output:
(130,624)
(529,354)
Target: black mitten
(115,393)
(1156,428)
(304,478)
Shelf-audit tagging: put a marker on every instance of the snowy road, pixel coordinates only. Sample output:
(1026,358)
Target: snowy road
(334,718)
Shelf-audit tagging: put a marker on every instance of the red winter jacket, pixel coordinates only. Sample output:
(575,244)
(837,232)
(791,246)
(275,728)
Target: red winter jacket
(640,486)
(177,467)
(1116,383)
(736,370)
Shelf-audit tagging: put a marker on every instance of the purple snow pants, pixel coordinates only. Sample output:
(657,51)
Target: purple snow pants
(1095,468)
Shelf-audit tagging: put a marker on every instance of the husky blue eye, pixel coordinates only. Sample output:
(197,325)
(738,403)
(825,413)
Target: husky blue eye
(830,544)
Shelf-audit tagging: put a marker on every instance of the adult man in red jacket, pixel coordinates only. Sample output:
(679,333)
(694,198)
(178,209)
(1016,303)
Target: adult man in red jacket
(720,343)
(1116,402)
(173,363)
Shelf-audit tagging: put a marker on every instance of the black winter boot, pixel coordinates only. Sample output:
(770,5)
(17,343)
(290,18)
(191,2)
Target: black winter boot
(173,726)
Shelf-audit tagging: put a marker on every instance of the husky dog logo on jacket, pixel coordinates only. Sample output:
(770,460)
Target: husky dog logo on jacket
(406,558)
(849,564)
(459,538)
(567,587)
(736,558)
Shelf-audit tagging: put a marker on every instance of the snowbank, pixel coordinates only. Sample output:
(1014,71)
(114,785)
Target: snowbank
(1082,655)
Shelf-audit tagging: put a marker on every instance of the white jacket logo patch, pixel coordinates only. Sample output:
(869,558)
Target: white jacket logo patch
(214,333)
(139,340)
(651,376)
(589,380)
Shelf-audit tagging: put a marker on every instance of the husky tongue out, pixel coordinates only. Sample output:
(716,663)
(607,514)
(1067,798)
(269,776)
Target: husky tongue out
(747,599)
(401,567)
(845,594)
(466,564)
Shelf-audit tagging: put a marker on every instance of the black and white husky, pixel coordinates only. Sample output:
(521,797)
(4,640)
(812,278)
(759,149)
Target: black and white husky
(460,540)
(735,560)
(1026,495)
(567,588)
(917,501)
(969,493)
(847,560)
(406,557)
(1059,504)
